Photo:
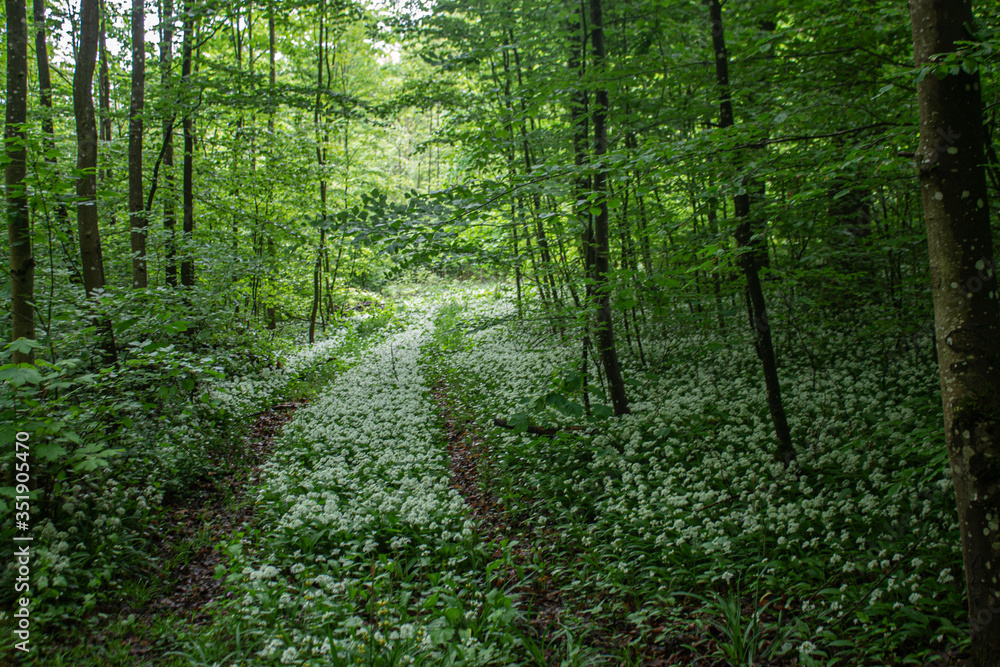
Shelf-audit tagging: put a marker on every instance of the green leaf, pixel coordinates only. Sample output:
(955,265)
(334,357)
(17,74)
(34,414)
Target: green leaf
(49,451)
(519,421)
(564,405)
(23,345)
(602,411)
(20,374)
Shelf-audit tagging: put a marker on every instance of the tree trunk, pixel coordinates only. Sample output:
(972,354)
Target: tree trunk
(234,24)
(22,263)
(578,103)
(750,257)
(605,328)
(42,59)
(272,79)
(104,89)
(187,186)
(504,102)
(137,213)
(540,236)
(169,213)
(86,164)
(320,153)
(45,97)
(964,287)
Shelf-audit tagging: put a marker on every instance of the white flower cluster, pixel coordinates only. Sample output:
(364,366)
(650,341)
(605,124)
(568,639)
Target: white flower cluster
(690,474)
(369,552)
(254,392)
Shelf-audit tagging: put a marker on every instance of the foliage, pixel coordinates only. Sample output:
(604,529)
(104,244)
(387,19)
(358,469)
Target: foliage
(369,157)
(852,550)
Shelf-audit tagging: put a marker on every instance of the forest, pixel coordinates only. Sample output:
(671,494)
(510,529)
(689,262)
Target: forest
(500,332)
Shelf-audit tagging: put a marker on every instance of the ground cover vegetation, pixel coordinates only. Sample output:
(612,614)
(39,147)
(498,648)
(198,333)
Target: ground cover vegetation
(500,332)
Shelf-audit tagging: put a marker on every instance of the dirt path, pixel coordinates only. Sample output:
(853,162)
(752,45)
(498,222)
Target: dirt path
(196,522)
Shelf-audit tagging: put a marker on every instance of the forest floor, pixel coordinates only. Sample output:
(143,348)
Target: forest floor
(389,521)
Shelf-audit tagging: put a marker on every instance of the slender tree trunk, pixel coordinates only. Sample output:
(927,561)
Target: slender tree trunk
(317,286)
(137,210)
(234,22)
(540,236)
(750,259)
(605,326)
(104,92)
(317,118)
(86,164)
(22,261)
(578,103)
(272,79)
(713,229)
(966,314)
(45,97)
(49,139)
(511,173)
(187,186)
(517,259)
(169,213)
(44,77)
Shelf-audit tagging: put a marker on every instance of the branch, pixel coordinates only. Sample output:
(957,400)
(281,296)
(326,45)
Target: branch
(156,167)
(538,430)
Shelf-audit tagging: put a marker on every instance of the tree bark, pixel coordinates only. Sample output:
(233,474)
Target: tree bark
(104,88)
(45,97)
(540,236)
(605,328)
(137,212)
(86,163)
(22,261)
(272,80)
(169,213)
(751,250)
(42,60)
(578,103)
(320,153)
(187,185)
(966,315)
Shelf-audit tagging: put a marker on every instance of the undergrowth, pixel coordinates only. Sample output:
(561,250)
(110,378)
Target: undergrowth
(678,511)
(666,533)
(116,452)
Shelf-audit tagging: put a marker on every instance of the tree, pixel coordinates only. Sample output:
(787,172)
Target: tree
(187,185)
(86,163)
(272,80)
(169,212)
(751,248)
(48,128)
(320,161)
(605,328)
(22,262)
(103,85)
(136,206)
(964,286)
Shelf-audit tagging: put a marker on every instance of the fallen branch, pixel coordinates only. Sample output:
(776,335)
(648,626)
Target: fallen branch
(538,430)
